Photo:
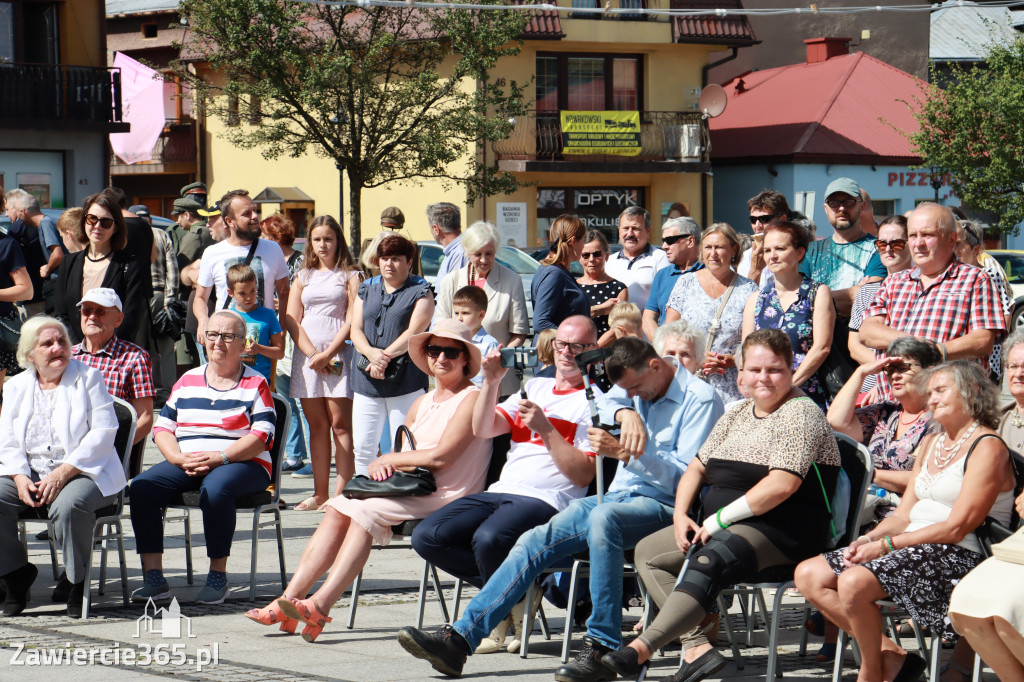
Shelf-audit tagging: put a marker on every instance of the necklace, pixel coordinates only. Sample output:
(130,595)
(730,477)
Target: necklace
(942,460)
(1017,418)
(916,417)
(97,260)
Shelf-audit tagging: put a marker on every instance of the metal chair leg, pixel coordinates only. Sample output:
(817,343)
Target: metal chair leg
(255,553)
(355,600)
(51,538)
(574,587)
(976,673)
(440,594)
(188,546)
(524,636)
(773,632)
(423,595)
(458,599)
(124,566)
(737,657)
(543,621)
(837,666)
(936,649)
(280,548)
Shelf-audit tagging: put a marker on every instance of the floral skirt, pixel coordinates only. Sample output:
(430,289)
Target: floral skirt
(920,579)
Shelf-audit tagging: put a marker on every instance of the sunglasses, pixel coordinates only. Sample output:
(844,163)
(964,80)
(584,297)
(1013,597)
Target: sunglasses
(901,368)
(587,255)
(450,352)
(834,204)
(764,219)
(896,245)
(672,239)
(91,312)
(105,223)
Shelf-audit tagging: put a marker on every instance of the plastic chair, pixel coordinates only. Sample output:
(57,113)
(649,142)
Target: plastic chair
(107,525)
(263,501)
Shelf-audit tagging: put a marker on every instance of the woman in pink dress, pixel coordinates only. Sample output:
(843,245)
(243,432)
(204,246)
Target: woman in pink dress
(318,321)
(441,423)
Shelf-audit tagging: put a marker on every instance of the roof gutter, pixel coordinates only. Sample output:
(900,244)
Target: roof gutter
(707,67)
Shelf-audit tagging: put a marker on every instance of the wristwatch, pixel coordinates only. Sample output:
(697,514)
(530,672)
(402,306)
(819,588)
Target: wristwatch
(224,459)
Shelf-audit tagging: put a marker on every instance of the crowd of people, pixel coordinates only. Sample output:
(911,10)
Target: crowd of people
(726,372)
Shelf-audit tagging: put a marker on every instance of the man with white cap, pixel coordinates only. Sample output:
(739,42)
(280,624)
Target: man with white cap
(126,368)
(849,257)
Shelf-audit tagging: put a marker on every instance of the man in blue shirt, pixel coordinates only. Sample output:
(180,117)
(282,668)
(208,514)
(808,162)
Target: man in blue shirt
(446,227)
(680,237)
(848,258)
(666,414)
(40,242)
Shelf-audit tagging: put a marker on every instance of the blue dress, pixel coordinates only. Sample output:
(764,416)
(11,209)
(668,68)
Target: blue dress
(798,324)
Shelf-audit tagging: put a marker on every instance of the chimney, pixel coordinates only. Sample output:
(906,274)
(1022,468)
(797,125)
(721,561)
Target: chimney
(823,49)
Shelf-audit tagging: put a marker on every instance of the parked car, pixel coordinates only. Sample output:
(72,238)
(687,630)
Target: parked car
(432,253)
(1012,263)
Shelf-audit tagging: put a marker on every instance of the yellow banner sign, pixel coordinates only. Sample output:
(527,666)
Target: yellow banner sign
(601,132)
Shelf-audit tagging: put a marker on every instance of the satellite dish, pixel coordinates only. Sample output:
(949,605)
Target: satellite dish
(712,100)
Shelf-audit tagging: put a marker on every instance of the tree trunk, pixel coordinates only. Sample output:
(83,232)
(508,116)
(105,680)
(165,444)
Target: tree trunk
(355,191)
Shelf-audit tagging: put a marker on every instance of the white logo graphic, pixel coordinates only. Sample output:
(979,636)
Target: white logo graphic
(166,622)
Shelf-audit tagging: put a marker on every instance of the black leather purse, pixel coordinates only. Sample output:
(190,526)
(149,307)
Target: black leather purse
(416,483)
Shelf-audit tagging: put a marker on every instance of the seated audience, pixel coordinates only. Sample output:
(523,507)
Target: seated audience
(764,507)
(57,433)
(548,466)
(917,555)
(214,433)
(442,428)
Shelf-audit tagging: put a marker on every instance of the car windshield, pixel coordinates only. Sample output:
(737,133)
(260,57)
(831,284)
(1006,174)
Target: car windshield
(516,260)
(1013,266)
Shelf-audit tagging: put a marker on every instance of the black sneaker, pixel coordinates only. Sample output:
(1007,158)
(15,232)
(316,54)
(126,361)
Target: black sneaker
(624,661)
(704,665)
(587,666)
(445,650)
(63,589)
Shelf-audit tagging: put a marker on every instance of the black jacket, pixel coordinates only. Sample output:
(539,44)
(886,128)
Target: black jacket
(125,275)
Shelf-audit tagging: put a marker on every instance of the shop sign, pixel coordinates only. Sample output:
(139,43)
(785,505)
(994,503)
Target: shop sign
(601,132)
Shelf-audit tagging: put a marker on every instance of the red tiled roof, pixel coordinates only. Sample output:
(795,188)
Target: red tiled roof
(544,24)
(852,106)
(731,29)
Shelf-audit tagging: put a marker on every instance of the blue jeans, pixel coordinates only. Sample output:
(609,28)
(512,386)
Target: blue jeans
(606,530)
(295,447)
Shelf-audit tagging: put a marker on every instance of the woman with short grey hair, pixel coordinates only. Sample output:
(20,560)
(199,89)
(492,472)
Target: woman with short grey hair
(683,341)
(506,319)
(57,453)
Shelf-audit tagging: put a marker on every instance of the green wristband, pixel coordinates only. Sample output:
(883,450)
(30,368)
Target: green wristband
(718,518)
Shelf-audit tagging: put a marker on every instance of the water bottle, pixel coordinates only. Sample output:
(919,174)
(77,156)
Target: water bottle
(885,497)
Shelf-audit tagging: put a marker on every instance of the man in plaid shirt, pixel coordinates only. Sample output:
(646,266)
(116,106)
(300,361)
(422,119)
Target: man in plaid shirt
(941,299)
(126,368)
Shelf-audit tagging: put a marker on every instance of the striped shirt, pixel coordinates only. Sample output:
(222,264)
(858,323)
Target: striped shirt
(205,419)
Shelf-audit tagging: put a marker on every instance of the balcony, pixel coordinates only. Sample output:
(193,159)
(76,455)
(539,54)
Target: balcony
(53,96)
(174,152)
(670,141)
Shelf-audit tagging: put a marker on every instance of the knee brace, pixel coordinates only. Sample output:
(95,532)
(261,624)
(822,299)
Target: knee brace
(711,569)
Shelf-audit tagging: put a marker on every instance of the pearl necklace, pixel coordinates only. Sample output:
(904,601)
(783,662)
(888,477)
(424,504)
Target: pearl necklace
(942,460)
(1017,419)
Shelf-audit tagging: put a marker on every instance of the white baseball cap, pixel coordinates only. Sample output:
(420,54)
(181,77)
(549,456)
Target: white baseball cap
(103,296)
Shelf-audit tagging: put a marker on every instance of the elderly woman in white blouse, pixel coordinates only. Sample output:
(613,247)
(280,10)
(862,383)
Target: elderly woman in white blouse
(57,451)
(506,319)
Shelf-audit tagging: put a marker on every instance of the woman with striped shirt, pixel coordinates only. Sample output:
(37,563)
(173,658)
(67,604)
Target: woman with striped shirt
(215,432)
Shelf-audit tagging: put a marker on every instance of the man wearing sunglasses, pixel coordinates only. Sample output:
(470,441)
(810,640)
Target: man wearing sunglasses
(766,207)
(848,258)
(680,238)
(549,465)
(941,299)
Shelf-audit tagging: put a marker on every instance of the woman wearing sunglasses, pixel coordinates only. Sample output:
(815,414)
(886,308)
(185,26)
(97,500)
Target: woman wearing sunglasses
(892,249)
(602,291)
(104,263)
(441,423)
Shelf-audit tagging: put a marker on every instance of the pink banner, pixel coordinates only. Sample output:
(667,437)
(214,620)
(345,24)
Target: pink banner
(142,103)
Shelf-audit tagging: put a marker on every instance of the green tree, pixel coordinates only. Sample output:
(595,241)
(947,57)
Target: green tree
(391,94)
(973,129)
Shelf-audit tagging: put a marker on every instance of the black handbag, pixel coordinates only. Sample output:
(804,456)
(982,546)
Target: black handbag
(10,333)
(838,366)
(391,372)
(416,483)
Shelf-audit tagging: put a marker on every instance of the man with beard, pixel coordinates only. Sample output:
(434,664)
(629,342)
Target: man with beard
(243,245)
(848,258)
(638,262)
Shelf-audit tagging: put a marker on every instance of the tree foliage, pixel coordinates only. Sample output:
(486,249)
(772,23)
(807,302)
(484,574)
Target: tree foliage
(391,94)
(973,129)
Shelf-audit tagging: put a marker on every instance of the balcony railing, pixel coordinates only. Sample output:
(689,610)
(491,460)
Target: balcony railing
(664,136)
(174,151)
(53,92)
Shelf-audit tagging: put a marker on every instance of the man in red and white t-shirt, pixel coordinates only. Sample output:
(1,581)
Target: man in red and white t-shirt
(549,465)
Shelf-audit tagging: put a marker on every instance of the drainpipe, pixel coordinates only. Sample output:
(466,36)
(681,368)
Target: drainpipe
(707,67)
(703,82)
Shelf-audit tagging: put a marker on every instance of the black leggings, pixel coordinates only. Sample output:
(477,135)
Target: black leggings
(734,556)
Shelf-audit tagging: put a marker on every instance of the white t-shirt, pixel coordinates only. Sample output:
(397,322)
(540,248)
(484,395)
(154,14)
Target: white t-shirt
(637,274)
(743,268)
(530,470)
(268,263)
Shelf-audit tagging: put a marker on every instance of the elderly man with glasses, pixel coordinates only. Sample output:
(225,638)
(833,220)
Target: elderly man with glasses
(680,238)
(666,414)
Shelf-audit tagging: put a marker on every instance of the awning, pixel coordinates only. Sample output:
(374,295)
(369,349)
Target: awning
(282,195)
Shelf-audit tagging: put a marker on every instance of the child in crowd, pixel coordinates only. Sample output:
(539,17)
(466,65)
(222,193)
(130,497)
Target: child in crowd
(545,353)
(624,320)
(469,306)
(264,338)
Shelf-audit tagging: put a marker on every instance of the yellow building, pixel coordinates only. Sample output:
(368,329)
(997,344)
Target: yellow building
(59,99)
(579,62)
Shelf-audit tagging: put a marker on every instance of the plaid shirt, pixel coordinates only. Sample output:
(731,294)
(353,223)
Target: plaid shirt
(962,300)
(126,368)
